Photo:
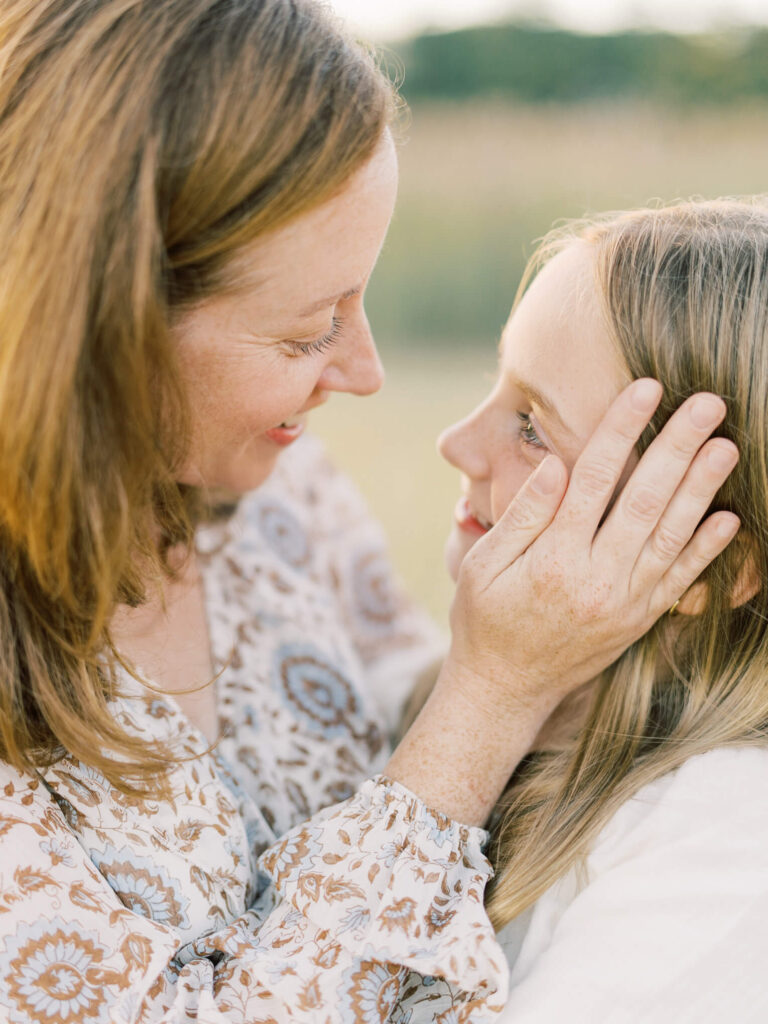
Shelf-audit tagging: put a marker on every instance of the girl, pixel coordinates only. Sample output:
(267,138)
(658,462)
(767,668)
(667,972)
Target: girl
(631,843)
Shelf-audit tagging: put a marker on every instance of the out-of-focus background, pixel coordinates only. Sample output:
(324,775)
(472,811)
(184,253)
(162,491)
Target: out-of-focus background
(521,115)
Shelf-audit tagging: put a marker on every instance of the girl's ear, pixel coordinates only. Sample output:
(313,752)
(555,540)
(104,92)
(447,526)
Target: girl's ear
(694,600)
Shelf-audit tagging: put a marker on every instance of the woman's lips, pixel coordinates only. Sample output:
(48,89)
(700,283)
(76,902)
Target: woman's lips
(467,521)
(286,433)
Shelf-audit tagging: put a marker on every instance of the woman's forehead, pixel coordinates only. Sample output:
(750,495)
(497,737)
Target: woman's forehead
(327,252)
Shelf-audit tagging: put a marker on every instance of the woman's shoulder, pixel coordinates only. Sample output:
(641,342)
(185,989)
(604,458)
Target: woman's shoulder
(720,795)
(26,810)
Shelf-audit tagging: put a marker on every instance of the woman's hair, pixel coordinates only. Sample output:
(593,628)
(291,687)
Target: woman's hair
(684,291)
(143,145)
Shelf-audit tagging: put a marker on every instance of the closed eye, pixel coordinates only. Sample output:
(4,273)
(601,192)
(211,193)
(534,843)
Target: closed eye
(306,348)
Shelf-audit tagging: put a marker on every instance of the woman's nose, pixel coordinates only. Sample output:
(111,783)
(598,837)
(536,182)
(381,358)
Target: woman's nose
(462,446)
(356,367)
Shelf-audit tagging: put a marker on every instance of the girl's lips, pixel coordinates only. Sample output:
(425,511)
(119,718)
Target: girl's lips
(285,435)
(466,521)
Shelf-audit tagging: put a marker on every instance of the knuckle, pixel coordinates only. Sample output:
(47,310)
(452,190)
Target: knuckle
(472,569)
(625,431)
(522,515)
(679,450)
(667,542)
(595,476)
(643,504)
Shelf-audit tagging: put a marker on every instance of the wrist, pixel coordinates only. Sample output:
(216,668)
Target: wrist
(498,689)
(462,748)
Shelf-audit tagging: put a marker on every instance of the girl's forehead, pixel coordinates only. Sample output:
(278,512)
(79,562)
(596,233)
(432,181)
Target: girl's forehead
(557,342)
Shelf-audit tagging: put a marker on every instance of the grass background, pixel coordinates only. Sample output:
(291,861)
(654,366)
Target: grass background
(479,182)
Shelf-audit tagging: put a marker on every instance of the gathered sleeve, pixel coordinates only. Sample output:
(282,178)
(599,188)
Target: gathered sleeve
(350,904)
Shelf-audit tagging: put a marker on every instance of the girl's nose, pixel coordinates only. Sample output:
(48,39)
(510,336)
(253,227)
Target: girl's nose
(462,446)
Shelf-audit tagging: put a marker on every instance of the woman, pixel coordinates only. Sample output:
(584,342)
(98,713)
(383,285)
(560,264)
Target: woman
(194,195)
(631,846)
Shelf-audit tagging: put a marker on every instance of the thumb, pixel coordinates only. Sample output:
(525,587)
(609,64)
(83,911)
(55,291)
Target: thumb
(532,509)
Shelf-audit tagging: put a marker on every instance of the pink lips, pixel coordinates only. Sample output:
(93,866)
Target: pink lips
(466,521)
(285,435)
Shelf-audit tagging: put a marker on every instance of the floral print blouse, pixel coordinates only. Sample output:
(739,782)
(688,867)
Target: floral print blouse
(285,879)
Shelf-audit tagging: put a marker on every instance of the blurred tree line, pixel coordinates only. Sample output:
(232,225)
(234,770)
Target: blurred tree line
(541,63)
(513,127)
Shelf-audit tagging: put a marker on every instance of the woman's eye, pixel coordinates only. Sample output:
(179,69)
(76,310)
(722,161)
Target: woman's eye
(307,348)
(527,431)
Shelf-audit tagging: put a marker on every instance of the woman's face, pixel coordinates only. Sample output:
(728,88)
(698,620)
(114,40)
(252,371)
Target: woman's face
(255,364)
(558,373)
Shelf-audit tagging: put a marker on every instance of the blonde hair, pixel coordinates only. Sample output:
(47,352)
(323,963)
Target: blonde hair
(143,146)
(684,291)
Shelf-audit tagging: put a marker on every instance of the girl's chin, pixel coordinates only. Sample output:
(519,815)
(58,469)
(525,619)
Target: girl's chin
(456,547)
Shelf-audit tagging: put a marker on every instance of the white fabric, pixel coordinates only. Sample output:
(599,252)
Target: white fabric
(669,923)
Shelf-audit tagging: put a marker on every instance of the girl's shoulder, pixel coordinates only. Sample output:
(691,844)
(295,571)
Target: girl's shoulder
(712,801)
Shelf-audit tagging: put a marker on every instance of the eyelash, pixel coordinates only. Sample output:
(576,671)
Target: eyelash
(306,348)
(527,431)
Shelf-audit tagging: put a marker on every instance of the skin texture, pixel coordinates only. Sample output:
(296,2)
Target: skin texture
(240,357)
(245,374)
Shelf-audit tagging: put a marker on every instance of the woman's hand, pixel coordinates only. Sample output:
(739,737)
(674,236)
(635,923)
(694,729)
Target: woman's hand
(558,589)
(554,594)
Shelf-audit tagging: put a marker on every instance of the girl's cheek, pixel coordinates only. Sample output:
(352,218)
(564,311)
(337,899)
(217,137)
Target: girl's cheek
(507,481)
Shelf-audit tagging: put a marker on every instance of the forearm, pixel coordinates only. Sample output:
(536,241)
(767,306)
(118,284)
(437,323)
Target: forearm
(462,748)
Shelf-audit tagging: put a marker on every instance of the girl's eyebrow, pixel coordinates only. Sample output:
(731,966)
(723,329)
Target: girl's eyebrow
(535,397)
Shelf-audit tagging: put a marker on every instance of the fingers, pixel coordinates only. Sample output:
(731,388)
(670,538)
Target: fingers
(657,476)
(600,465)
(530,511)
(711,539)
(707,474)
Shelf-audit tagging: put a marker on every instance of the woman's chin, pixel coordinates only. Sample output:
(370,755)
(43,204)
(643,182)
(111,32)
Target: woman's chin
(456,547)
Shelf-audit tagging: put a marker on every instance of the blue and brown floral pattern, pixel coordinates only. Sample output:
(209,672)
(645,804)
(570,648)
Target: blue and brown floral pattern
(143,887)
(279,879)
(374,589)
(284,534)
(370,992)
(53,974)
(316,692)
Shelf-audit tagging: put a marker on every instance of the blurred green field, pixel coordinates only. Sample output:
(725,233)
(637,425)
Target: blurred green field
(478,184)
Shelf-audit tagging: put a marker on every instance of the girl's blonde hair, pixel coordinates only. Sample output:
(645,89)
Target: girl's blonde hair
(143,145)
(684,291)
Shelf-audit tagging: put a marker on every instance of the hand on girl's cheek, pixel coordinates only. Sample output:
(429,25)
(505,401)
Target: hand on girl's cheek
(456,547)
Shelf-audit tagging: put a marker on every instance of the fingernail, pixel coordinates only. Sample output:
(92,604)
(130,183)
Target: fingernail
(547,476)
(721,459)
(727,526)
(645,395)
(706,411)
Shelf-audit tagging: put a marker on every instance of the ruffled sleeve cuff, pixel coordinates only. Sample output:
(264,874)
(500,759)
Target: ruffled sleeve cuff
(396,882)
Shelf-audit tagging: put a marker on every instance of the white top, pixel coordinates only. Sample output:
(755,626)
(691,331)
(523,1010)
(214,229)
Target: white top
(669,922)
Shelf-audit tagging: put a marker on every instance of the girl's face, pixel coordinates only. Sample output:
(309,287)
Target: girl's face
(255,364)
(558,373)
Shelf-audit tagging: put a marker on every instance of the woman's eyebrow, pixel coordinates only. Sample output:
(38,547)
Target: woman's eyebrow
(535,397)
(325,303)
